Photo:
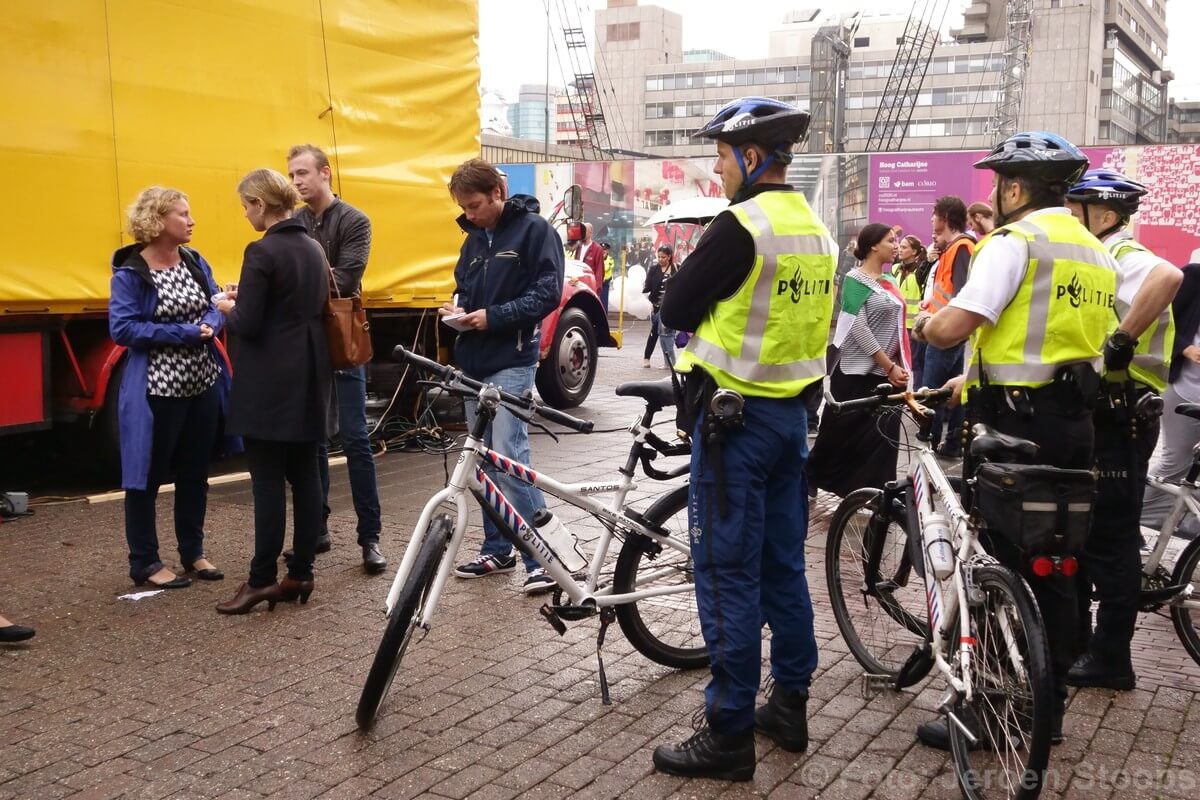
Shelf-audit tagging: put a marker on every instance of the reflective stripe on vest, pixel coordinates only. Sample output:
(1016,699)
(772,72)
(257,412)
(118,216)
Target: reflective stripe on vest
(943,276)
(1027,345)
(910,289)
(769,338)
(1151,359)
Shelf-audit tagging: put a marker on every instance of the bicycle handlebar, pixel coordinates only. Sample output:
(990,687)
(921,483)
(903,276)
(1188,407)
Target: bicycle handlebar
(455,379)
(914,400)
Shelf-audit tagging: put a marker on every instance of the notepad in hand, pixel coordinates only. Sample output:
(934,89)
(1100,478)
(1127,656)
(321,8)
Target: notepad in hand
(456,321)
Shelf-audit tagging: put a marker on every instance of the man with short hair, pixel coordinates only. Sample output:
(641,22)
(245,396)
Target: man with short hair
(1036,352)
(758,293)
(591,253)
(509,276)
(344,233)
(1137,359)
(955,249)
(980,220)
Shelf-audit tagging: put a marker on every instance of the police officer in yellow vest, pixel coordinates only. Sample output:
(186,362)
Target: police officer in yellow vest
(1136,359)
(1037,305)
(758,292)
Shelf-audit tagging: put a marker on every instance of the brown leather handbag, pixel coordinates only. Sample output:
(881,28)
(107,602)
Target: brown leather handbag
(346,327)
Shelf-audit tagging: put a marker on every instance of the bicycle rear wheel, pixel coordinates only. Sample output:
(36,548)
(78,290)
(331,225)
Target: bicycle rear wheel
(403,620)
(664,629)
(882,614)
(1011,706)
(1187,620)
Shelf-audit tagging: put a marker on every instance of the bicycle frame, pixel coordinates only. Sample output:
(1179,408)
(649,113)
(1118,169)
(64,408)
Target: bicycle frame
(1186,502)
(469,482)
(927,482)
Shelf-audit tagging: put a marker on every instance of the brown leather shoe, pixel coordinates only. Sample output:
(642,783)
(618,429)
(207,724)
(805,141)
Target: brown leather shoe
(248,597)
(290,589)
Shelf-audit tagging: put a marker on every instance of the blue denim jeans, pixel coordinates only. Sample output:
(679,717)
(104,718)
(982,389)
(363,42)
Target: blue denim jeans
(351,386)
(664,336)
(940,366)
(509,437)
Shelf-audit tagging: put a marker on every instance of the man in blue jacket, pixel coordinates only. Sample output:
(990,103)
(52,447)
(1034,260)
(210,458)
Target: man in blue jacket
(508,277)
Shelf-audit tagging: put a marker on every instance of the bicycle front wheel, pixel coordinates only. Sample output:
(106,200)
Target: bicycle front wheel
(403,621)
(878,600)
(1009,712)
(665,629)
(1187,619)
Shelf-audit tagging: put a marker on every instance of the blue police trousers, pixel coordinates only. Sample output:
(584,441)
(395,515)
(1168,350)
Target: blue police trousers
(750,564)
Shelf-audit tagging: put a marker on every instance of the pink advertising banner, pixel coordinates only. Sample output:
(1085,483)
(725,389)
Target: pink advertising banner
(904,186)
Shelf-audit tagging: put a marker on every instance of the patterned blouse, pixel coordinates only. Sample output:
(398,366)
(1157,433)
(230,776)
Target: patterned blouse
(179,370)
(875,328)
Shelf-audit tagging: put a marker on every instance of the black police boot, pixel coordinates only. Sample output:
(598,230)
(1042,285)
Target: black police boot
(935,733)
(708,754)
(373,560)
(1092,670)
(784,719)
(1056,733)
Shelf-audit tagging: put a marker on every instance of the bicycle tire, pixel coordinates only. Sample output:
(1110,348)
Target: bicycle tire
(665,629)
(889,623)
(1187,621)
(1011,716)
(397,634)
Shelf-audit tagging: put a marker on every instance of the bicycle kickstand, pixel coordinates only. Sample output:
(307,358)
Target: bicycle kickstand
(607,615)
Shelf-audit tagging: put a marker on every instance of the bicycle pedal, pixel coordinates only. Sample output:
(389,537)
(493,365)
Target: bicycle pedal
(552,617)
(574,613)
(874,685)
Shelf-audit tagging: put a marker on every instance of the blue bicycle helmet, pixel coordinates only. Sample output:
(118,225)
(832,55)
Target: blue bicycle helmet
(1038,155)
(1109,188)
(775,126)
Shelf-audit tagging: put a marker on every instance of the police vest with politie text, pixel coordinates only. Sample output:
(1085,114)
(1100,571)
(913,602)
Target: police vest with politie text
(1152,356)
(1065,299)
(769,338)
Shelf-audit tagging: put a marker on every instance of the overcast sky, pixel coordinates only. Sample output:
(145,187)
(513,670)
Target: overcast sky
(513,34)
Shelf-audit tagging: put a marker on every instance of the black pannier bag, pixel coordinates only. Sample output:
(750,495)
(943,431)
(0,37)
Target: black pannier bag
(1041,510)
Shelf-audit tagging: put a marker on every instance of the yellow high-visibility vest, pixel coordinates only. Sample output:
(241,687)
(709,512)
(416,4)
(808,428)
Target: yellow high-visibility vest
(1152,356)
(769,338)
(1059,315)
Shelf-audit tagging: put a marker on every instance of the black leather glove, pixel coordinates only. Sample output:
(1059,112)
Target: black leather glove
(1118,351)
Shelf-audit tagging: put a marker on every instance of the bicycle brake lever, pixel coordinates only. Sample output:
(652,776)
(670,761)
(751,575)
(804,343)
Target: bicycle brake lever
(527,416)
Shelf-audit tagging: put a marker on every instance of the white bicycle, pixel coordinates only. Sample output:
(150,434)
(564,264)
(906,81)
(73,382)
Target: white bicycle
(649,592)
(1174,590)
(913,589)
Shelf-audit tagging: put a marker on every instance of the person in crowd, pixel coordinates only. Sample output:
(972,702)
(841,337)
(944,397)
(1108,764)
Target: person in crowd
(1180,434)
(592,254)
(657,277)
(609,264)
(344,233)
(748,509)
(955,248)
(1036,351)
(503,314)
(904,272)
(10,632)
(281,393)
(1136,362)
(853,450)
(980,220)
(173,384)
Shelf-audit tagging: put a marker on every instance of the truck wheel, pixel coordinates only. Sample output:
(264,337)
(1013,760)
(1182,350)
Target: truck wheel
(565,377)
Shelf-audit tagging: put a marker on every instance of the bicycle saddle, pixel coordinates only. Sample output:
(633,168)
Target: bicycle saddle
(995,446)
(658,394)
(1188,410)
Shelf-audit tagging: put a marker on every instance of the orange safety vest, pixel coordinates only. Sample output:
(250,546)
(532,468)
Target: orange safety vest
(943,276)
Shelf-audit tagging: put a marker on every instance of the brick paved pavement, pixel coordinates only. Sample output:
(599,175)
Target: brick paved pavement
(164,698)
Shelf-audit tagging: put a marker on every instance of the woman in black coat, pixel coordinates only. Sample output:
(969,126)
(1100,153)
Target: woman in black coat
(281,386)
